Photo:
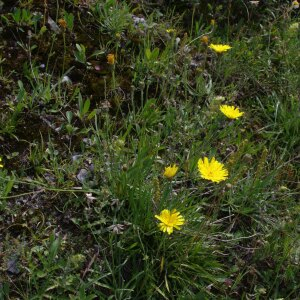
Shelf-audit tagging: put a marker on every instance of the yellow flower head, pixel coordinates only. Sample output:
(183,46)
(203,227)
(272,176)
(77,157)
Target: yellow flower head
(212,170)
(230,111)
(204,39)
(213,22)
(170,30)
(295,4)
(169,220)
(219,48)
(62,23)
(1,165)
(294,26)
(110,58)
(170,171)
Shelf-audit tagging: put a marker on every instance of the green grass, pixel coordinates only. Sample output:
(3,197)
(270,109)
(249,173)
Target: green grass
(85,143)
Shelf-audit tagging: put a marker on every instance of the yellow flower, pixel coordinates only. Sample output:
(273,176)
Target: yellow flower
(110,58)
(213,22)
(212,170)
(295,4)
(170,171)
(169,220)
(230,111)
(294,26)
(170,30)
(1,165)
(62,23)
(219,48)
(204,39)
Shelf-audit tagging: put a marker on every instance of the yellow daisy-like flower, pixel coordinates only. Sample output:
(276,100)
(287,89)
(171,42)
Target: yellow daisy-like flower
(212,170)
(170,171)
(295,4)
(110,58)
(1,165)
(170,220)
(219,48)
(230,111)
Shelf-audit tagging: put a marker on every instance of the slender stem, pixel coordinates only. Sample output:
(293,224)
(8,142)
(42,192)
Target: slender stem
(64,39)
(113,77)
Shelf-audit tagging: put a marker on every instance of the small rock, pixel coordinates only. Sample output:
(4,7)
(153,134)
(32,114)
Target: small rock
(83,175)
(12,267)
(53,26)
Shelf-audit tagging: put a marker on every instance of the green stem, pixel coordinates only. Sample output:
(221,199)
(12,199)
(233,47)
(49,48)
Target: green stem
(64,39)
(113,77)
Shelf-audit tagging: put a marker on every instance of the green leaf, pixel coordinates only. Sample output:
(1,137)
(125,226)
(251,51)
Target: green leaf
(148,53)
(8,187)
(70,20)
(54,247)
(86,106)
(92,114)
(69,116)
(98,52)
(78,47)
(155,53)
(43,29)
